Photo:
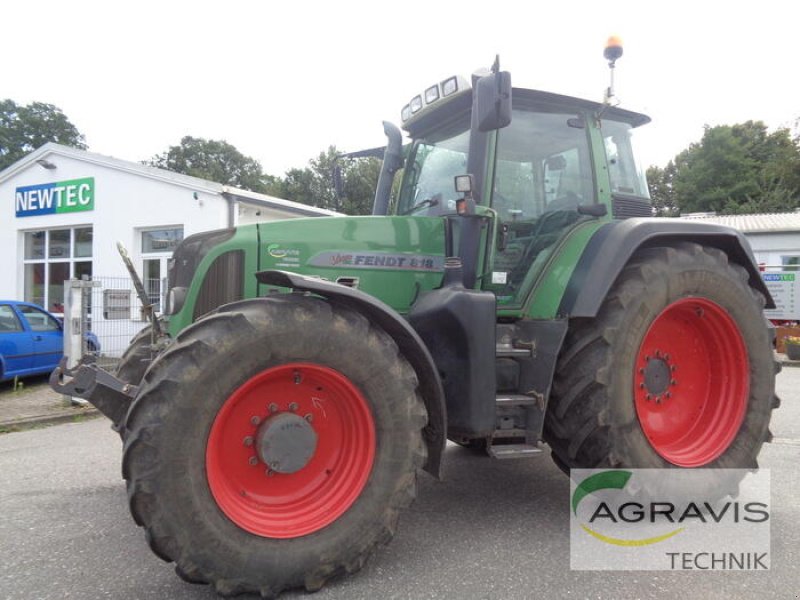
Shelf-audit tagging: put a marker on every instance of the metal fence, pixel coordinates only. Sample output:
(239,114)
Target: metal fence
(114,314)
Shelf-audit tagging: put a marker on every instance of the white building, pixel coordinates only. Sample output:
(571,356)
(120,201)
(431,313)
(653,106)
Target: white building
(64,210)
(775,237)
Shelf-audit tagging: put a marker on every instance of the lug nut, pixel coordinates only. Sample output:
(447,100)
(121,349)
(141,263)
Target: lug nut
(641,386)
(297,378)
(641,371)
(269,472)
(255,420)
(248,441)
(666,357)
(273,408)
(673,368)
(658,399)
(658,353)
(647,358)
(668,394)
(309,417)
(648,397)
(673,382)
(293,407)
(253,461)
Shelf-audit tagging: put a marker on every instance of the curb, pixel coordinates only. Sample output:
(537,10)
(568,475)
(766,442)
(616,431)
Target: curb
(785,362)
(68,416)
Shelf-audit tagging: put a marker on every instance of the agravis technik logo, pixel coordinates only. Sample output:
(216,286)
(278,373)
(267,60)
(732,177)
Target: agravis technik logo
(675,519)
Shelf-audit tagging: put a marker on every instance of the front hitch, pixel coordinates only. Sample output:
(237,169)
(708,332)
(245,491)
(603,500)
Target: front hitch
(108,394)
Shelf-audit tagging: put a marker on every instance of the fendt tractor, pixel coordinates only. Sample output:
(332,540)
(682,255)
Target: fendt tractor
(514,292)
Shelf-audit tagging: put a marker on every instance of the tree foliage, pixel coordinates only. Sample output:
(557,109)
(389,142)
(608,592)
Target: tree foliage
(662,195)
(740,168)
(25,128)
(215,160)
(315,185)
(312,185)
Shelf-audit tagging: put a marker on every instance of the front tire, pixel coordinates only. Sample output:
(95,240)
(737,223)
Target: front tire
(138,355)
(218,487)
(676,370)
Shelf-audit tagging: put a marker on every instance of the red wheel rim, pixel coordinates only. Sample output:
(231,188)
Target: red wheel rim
(692,382)
(287,505)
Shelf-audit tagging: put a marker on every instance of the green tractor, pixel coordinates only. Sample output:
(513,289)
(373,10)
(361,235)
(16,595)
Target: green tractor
(514,292)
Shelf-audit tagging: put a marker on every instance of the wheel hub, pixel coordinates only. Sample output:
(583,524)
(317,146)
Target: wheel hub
(286,442)
(657,376)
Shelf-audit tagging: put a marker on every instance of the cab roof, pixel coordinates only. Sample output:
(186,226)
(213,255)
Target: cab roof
(454,109)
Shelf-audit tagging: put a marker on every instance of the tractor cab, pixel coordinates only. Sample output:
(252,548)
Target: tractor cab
(556,163)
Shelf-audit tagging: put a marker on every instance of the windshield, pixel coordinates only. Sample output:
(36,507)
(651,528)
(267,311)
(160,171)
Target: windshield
(428,185)
(625,172)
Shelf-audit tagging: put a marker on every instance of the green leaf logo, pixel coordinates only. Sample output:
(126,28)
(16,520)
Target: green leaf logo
(611,480)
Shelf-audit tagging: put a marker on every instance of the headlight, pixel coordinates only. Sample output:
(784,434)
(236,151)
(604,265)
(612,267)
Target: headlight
(432,94)
(449,86)
(175,299)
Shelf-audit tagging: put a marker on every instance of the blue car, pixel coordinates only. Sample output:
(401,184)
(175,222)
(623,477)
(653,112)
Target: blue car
(31,340)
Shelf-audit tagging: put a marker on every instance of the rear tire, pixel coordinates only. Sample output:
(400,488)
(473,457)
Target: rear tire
(676,315)
(203,493)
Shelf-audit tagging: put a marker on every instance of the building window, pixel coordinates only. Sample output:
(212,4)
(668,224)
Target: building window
(790,263)
(51,257)
(157,248)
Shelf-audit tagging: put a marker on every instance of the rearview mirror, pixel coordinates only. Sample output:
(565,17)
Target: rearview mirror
(493,101)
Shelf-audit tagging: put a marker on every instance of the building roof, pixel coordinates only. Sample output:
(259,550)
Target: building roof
(53,150)
(756,223)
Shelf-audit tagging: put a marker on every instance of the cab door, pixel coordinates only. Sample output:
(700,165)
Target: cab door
(542,173)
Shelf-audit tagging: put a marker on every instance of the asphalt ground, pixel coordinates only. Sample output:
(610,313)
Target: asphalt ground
(490,529)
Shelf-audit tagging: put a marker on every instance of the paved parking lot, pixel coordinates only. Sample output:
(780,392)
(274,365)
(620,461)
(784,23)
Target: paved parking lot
(489,530)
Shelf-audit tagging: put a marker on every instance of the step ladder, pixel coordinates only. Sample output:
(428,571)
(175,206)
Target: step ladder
(509,408)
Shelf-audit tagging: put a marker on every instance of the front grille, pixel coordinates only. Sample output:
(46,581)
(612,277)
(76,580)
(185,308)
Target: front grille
(626,207)
(224,283)
(190,252)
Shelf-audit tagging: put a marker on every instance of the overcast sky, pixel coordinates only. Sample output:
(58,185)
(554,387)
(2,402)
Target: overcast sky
(282,80)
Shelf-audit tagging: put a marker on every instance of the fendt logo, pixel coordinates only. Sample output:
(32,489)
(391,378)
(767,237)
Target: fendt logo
(669,519)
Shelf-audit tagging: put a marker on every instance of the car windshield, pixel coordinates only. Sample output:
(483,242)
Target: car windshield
(428,184)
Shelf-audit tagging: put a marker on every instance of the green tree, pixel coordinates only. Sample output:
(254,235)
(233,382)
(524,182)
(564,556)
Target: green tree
(25,128)
(662,194)
(216,160)
(735,169)
(360,180)
(314,185)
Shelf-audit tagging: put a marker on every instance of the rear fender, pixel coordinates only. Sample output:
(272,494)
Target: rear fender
(408,341)
(613,245)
